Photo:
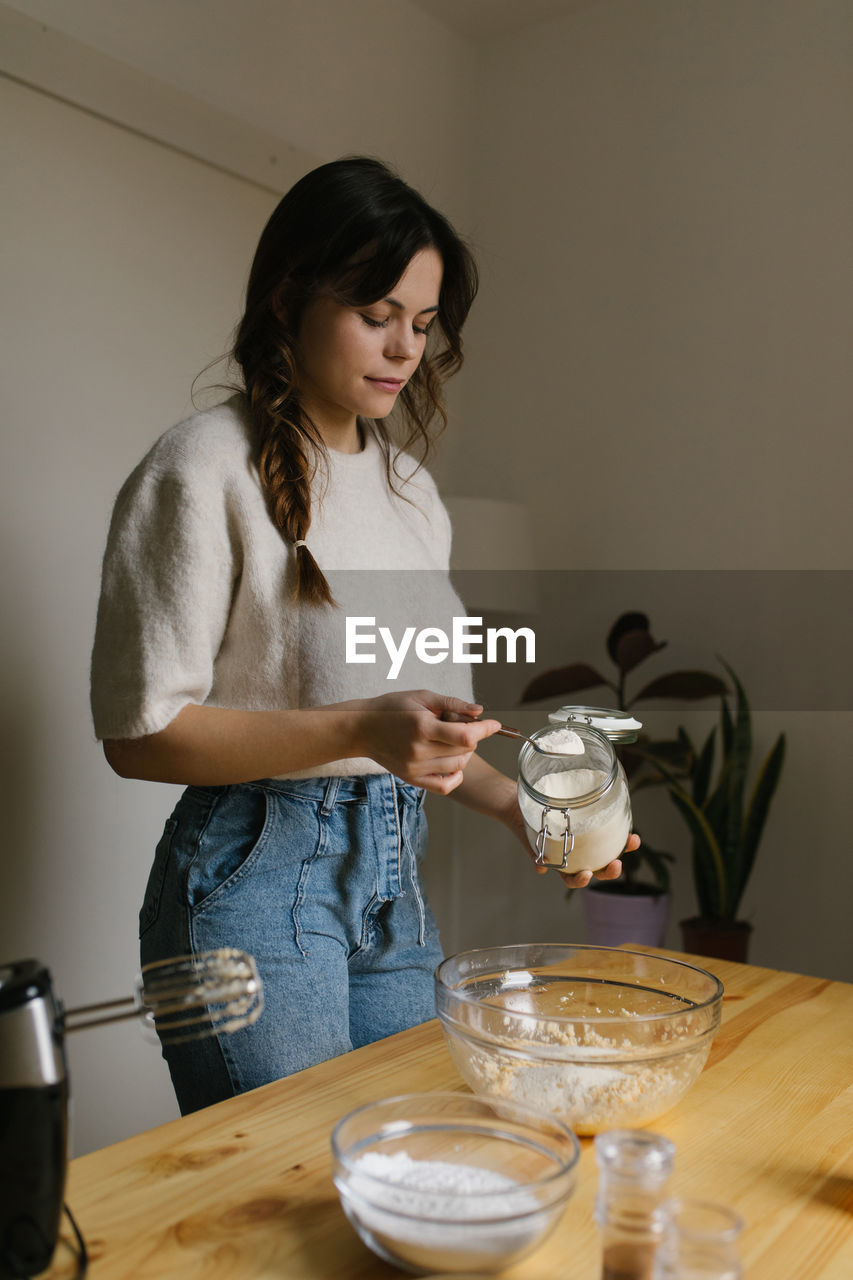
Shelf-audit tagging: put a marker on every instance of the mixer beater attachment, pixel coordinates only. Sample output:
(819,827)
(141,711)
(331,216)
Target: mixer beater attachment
(184,998)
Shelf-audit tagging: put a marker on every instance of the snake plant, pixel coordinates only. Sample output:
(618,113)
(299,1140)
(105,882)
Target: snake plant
(725,825)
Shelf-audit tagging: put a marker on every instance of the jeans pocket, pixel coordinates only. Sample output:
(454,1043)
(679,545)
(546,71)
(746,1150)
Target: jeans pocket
(233,838)
(154,889)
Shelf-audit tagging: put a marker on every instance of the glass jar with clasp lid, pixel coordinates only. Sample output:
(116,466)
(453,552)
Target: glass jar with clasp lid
(572,791)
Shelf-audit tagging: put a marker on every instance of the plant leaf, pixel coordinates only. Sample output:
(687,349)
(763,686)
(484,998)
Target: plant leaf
(702,772)
(657,861)
(756,814)
(634,762)
(687,685)
(673,752)
(727,724)
(716,810)
(633,647)
(708,870)
(625,622)
(665,774)
(644,782)
(737,767)
(561,681)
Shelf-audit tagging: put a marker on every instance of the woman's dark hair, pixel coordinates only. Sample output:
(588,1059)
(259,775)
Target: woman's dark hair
(349,228)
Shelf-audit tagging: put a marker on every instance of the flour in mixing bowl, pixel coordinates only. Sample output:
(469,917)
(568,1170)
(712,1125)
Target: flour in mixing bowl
(586,1095)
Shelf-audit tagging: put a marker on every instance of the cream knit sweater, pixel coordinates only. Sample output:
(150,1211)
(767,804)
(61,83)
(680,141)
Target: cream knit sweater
(195,597)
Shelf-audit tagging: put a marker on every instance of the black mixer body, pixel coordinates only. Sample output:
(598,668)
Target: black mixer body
(33,1119)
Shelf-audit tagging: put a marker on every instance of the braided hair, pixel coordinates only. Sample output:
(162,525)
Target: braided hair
(349,229)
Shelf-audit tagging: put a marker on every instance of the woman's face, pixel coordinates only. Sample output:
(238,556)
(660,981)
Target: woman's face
(354,361)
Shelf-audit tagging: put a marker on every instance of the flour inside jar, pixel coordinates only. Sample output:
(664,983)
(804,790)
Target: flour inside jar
(600,829)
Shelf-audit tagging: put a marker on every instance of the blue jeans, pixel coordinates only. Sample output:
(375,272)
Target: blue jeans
(318,880)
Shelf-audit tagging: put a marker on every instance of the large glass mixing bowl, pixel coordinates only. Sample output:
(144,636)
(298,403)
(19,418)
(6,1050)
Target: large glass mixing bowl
(602,1037)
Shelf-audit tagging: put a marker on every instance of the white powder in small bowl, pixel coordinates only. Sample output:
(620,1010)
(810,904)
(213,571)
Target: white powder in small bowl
(422,1187)
(440,1215)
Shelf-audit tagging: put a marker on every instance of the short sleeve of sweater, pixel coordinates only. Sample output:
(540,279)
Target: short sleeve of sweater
(166,588)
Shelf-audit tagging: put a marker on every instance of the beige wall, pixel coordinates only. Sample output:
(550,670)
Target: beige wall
(125,262)
(331,77)
(661,373)
(661,232)
(664,213)
(124,267)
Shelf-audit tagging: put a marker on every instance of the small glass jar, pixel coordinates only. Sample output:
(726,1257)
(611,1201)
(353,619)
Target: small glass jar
(634,1167)
(575,804)
(700,1242)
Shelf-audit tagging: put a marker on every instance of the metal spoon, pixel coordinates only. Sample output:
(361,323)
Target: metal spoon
(508,732)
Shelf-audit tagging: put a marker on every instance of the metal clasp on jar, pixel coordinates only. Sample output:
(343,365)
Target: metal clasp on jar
(568,838)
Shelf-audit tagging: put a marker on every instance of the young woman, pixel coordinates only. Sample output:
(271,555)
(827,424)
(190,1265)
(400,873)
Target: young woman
(237,550)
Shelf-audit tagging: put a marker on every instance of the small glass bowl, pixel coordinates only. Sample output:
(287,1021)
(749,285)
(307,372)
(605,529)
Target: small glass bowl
(700,1239)
(444,1182)
(601,1037)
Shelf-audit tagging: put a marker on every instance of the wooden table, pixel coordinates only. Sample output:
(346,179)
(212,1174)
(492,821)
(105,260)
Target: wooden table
(243,1189)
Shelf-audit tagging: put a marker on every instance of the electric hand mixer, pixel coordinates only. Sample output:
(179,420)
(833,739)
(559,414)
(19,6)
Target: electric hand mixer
(186,998)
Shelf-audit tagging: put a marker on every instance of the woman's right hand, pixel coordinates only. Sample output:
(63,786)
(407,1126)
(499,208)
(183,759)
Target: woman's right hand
(216,746)
(405,733)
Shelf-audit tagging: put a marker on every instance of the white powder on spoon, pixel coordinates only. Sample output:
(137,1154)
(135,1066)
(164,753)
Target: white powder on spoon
(563,742)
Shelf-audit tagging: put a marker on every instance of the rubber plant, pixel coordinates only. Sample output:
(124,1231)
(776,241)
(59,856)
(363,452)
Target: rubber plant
(726,824)
(649,762)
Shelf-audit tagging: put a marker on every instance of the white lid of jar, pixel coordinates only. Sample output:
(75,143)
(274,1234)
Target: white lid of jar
(618,726)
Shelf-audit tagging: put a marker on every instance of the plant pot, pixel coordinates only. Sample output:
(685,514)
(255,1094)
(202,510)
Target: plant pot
(722,939)
(615,916)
